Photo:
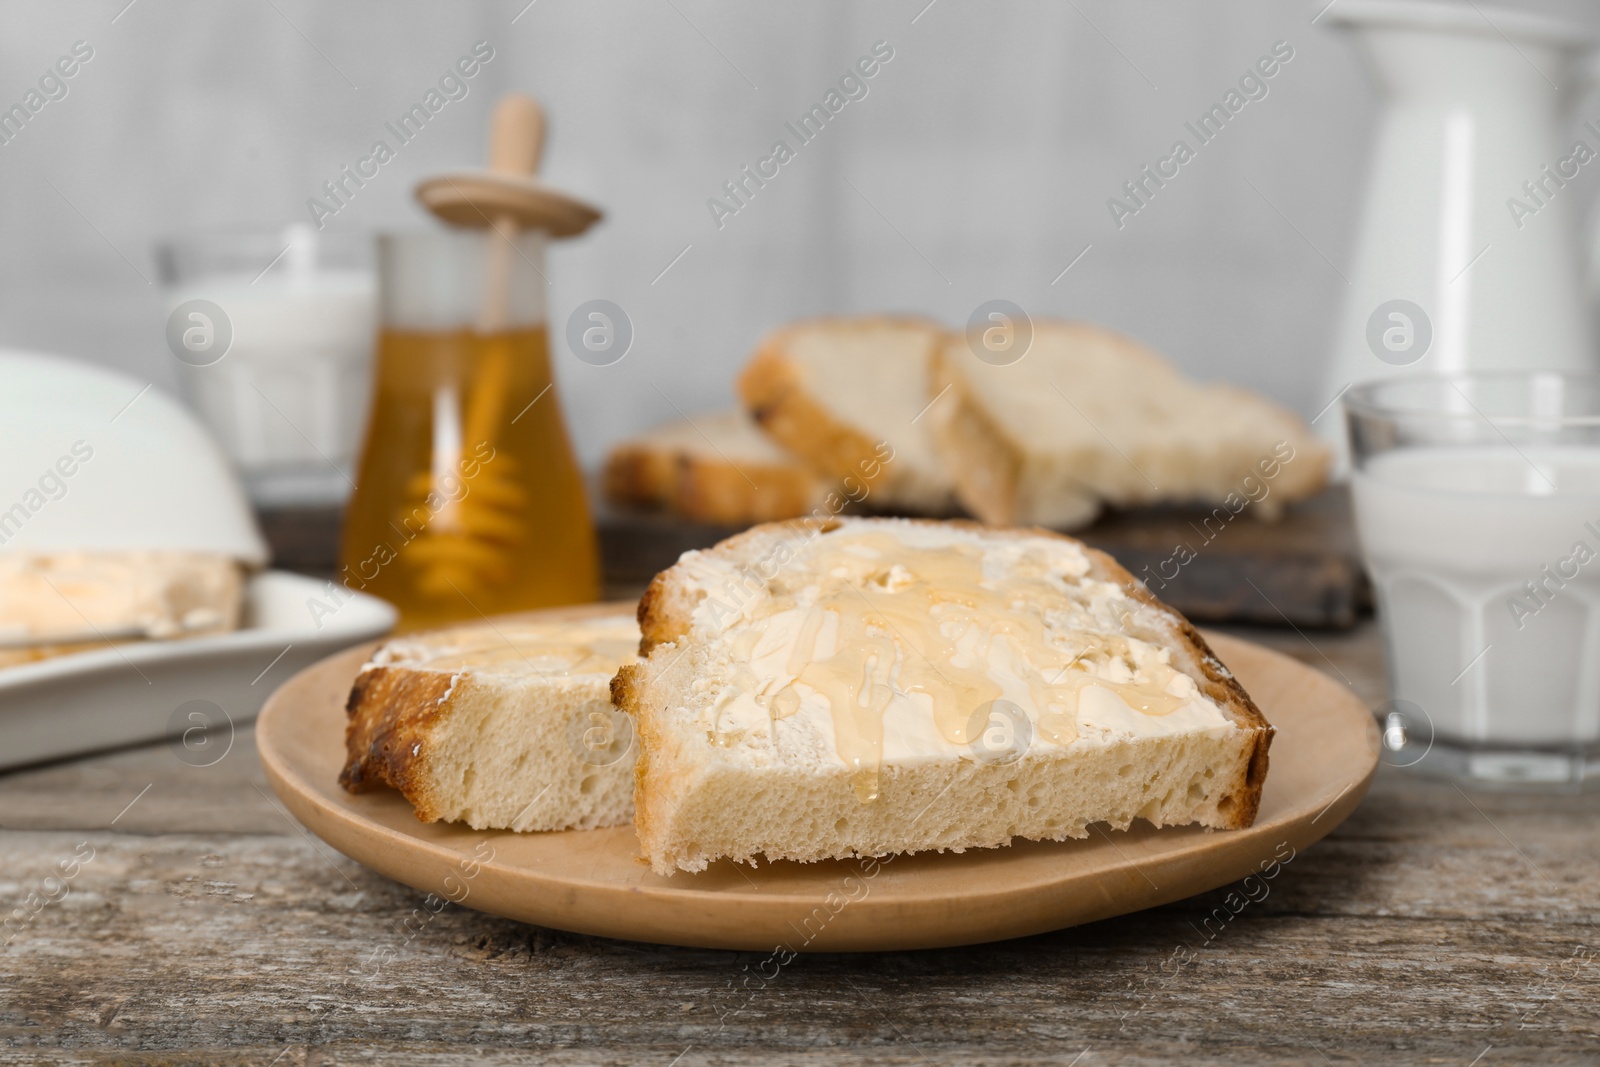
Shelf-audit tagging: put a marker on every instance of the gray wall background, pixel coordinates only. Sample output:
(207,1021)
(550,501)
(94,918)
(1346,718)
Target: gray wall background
(978,166)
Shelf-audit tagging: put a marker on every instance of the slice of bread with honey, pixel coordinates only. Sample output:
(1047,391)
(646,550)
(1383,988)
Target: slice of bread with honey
(506,725)
(1088,416)
(716,468)
(863,687)
(847,395)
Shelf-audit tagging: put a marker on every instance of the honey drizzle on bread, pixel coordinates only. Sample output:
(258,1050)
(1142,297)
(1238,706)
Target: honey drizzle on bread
(740,783)
(906,635)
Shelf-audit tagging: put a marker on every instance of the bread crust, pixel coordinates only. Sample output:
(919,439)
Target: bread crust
(1219,683)
(707,489)
(720,492)
(626,693)
(392,712)
(654,625)
(665,616)
(984,464)
(639,476)
(775,394)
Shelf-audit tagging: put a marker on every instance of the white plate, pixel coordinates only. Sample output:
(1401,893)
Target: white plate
(196,691)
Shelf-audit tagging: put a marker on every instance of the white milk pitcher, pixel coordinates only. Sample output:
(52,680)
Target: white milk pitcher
(1468,255)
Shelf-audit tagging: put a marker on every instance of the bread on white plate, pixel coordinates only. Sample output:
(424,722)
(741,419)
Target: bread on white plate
(847,395)
(715,468)
(863,687)
(1088,416)
(501,725)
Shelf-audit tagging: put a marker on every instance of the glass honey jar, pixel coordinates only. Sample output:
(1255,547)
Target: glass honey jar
(469,500)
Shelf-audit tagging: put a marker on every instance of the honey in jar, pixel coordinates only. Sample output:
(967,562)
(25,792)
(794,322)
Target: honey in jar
(469,500)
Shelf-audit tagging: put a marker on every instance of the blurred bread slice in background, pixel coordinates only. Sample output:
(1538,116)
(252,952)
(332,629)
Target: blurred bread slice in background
(712,468)
(835,391)
(1088,416)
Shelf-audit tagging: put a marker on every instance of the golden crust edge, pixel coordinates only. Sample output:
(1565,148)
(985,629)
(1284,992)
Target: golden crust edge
(392,712)
(1219,684)
(707,490)
(985,466)
(775,394)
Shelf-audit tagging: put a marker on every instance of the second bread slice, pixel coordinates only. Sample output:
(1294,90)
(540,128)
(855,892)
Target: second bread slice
(506,725)
(1089,416)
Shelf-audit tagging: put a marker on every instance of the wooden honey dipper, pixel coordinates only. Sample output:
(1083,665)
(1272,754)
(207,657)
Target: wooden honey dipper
(469,542)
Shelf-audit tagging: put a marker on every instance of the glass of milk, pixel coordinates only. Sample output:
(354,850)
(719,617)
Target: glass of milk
(273,332)
(1477,502)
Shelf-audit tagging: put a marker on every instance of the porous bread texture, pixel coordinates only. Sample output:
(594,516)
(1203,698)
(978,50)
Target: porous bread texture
(712,468)
(513,745)
(833,390)
(791,797)
(1088,416)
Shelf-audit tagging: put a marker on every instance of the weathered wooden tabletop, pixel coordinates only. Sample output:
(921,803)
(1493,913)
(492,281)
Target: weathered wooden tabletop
(201,925)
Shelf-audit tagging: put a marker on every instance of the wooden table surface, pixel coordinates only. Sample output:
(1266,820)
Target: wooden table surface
(202,925)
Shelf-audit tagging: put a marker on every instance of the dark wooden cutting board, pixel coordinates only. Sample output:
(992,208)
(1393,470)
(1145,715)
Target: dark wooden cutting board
(1304,569)
(1301,570)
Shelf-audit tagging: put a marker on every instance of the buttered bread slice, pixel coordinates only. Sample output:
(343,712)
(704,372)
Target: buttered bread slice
(507,725)
(873,686)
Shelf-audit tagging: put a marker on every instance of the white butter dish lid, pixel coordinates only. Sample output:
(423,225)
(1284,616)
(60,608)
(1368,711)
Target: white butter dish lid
(95,460)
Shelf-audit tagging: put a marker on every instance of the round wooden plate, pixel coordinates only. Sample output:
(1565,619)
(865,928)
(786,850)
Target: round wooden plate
(1323,759)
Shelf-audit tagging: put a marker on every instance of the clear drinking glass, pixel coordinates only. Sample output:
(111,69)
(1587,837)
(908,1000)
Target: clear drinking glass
(283,370)
(1477,502)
